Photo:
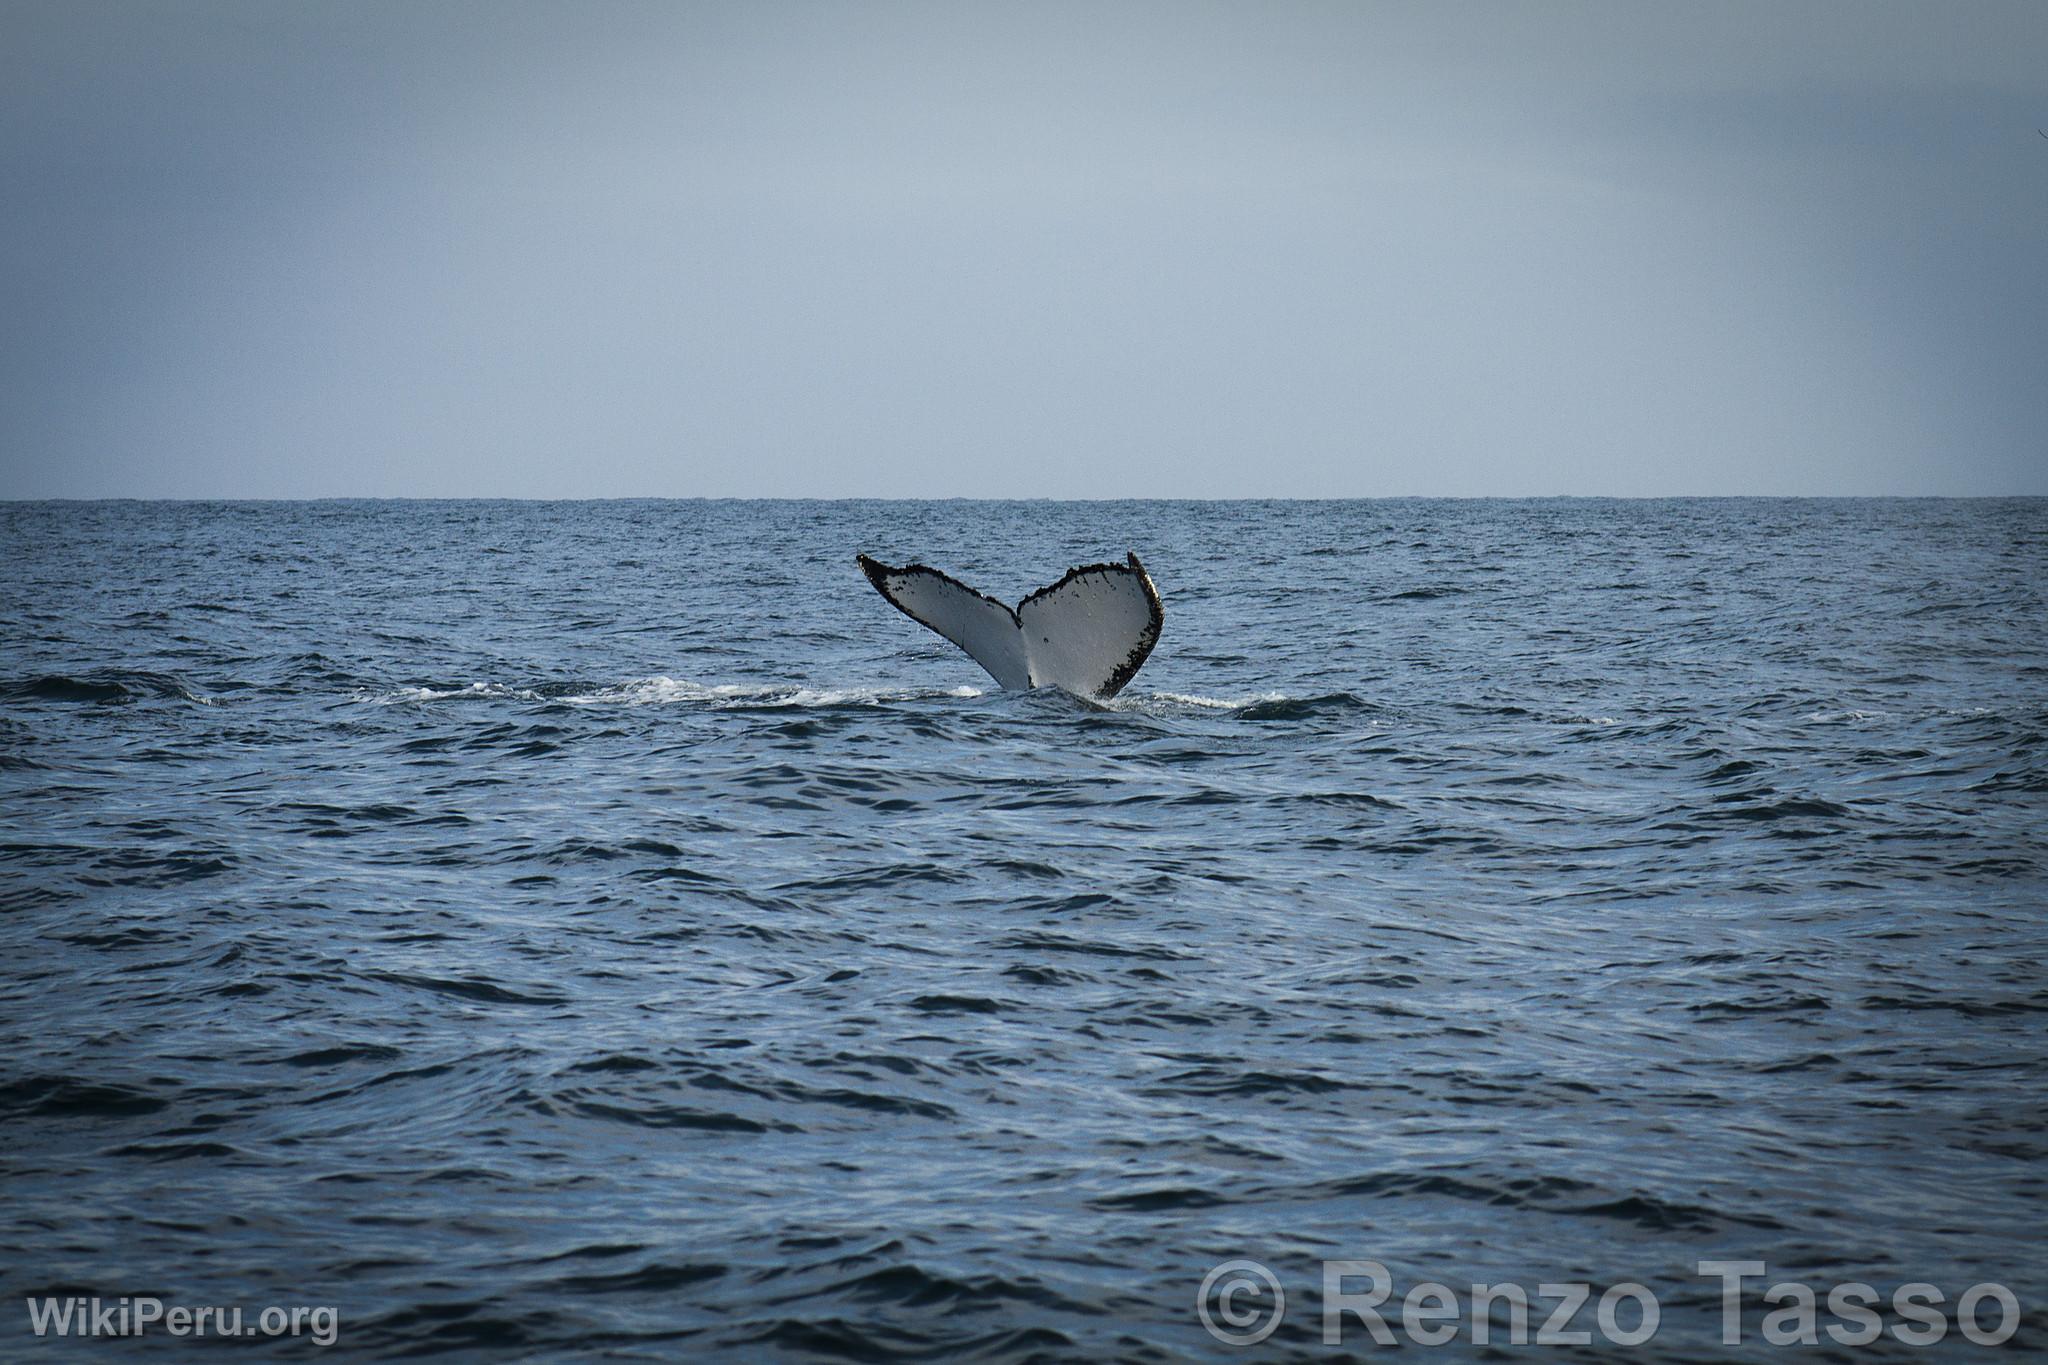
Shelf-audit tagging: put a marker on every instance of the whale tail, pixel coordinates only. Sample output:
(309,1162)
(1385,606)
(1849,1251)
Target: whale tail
(1089,633)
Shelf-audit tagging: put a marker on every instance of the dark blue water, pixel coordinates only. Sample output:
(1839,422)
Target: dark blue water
(610,927)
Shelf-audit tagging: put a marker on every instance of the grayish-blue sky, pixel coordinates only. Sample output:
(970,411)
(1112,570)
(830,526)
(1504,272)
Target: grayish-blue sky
(271,249)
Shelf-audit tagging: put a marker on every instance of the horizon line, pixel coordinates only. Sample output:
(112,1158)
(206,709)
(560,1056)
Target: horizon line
(784,497)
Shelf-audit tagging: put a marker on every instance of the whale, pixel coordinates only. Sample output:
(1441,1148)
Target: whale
(1088,634)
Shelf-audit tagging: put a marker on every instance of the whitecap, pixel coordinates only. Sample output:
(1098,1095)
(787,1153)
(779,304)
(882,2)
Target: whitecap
(497,691)
(1205,703)
(662,690)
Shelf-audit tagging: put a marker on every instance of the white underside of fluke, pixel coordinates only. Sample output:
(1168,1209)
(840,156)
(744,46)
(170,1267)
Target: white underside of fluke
(1088,633)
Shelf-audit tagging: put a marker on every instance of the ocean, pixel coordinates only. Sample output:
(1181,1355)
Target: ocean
(529,929)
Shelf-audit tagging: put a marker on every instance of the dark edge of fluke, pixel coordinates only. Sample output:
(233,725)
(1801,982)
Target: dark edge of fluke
(1155,622)
(877,571)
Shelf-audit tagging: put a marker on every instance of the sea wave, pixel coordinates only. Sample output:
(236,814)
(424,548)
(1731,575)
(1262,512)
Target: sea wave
(644,943)
(111,686)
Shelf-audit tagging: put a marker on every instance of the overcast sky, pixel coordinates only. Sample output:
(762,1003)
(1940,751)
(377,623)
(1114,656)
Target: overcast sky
(274,249)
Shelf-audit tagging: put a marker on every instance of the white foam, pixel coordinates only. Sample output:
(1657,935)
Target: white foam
(662,690)
(422,694)
(1206,703)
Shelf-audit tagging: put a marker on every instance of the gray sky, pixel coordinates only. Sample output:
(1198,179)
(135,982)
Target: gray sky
(273,249)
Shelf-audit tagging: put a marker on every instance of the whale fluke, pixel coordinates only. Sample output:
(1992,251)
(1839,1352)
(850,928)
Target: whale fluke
(1088,633)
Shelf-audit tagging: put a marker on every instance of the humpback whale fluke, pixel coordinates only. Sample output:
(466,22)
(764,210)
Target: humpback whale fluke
(1088,633)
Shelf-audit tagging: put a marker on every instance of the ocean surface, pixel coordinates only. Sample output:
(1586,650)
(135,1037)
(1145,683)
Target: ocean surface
(610,929)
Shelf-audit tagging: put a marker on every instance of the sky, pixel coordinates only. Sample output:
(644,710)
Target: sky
(253,248)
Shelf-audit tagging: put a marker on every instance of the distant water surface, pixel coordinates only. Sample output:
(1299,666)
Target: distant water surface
(610,927)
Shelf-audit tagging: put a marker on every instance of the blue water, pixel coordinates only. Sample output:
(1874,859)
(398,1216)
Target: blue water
(610,927)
